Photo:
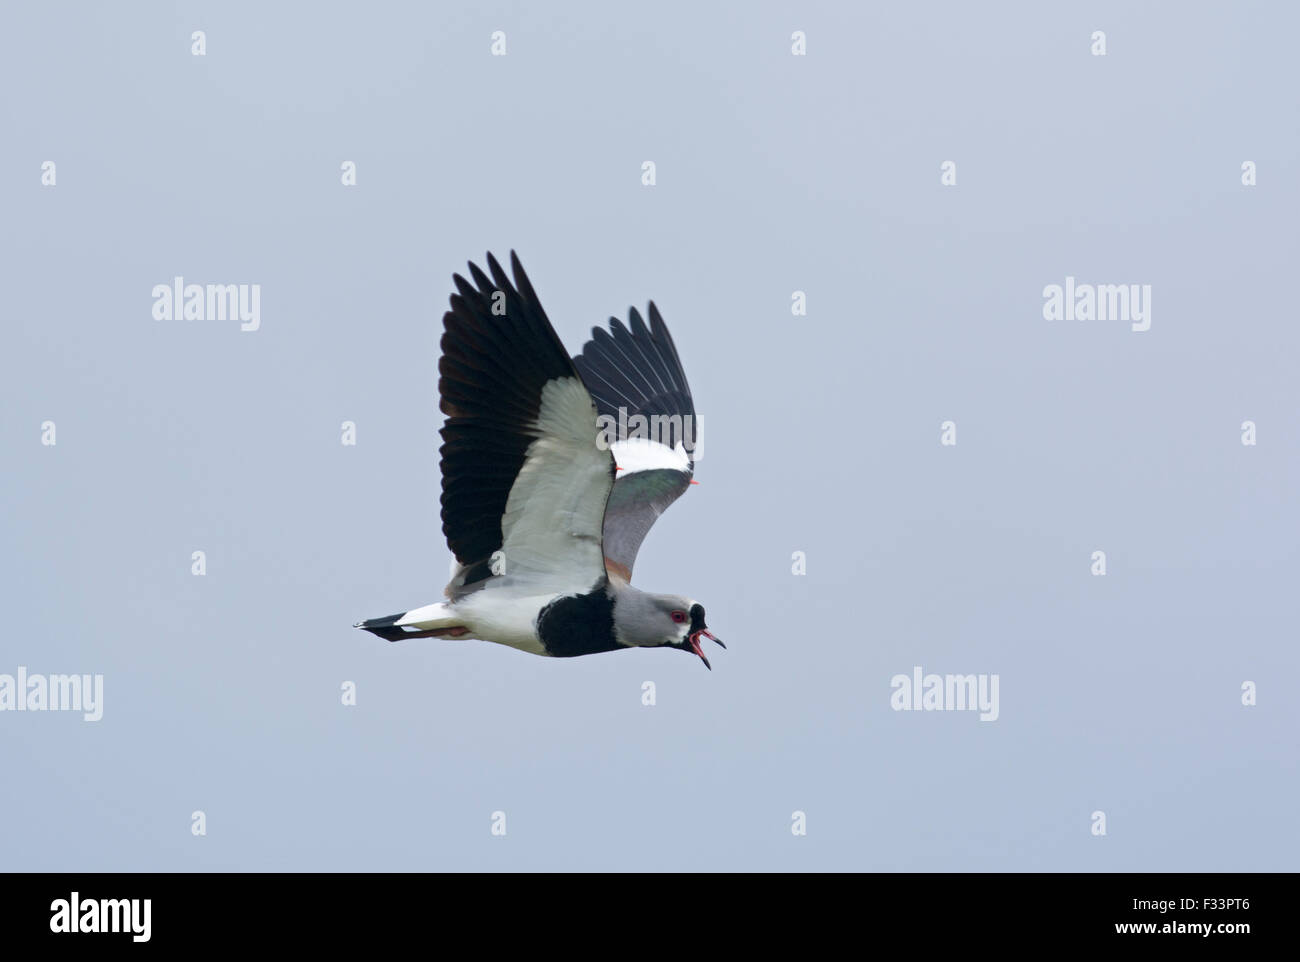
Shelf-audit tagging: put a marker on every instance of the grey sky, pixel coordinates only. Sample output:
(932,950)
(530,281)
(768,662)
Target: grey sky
(775,173)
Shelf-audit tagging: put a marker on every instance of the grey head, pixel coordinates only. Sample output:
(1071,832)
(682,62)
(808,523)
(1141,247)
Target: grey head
(646,620)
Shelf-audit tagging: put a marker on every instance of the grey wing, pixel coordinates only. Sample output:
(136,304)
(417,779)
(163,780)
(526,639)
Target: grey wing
(635,376)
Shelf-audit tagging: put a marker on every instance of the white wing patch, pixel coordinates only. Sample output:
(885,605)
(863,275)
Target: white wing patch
(552,523)
(642,454)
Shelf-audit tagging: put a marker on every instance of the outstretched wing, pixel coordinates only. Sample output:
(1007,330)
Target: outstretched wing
(636,379)
(524,482)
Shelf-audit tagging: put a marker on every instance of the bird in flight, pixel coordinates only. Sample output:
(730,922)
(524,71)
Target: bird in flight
(546,497)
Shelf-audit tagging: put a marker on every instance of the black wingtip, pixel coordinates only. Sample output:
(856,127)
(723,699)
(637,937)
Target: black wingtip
(493,368)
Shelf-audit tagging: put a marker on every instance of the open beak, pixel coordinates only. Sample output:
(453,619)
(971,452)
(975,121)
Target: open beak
(695,644)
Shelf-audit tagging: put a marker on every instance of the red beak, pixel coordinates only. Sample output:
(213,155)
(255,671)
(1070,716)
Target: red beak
(694,639)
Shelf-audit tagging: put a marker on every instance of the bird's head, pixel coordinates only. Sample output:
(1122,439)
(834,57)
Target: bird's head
(648,620)
(695,629)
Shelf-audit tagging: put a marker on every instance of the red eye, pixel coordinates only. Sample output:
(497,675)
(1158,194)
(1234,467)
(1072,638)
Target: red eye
(679,617)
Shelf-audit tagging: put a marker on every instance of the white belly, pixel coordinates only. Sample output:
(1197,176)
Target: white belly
(504,618)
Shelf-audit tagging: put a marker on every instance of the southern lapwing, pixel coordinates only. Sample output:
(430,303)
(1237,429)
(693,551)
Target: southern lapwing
(553,470)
